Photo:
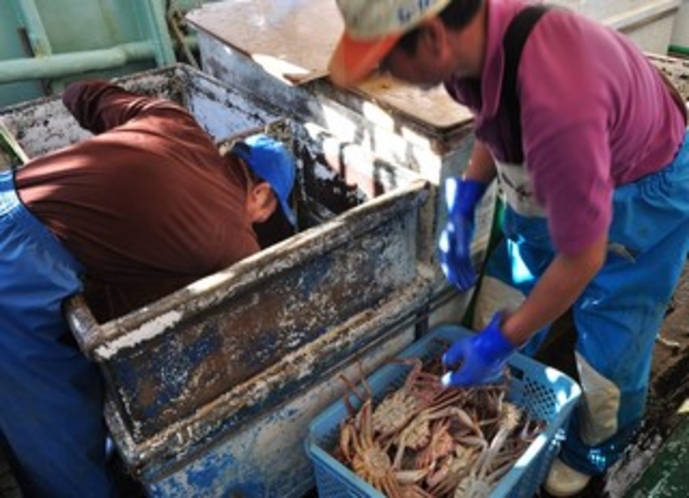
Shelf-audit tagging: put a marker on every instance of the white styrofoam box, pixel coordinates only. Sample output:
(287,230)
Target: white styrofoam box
(648,23)
(653,36)
(606,9)
(680,32)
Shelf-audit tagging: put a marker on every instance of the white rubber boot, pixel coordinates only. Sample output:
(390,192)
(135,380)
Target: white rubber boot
(564,480)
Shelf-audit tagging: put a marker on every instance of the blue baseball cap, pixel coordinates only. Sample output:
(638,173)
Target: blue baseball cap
(270,161)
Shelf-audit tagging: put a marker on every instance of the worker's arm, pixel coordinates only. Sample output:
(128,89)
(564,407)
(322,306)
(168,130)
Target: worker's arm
(99,105)
(481,166)
(462,195)
(483,356)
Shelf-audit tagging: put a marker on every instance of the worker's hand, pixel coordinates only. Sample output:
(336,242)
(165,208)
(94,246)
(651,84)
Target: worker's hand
(481,357)
(461,198)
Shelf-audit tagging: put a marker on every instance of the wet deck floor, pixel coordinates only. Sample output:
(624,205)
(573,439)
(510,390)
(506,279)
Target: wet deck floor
(8,486)
(665,435)
(643,470)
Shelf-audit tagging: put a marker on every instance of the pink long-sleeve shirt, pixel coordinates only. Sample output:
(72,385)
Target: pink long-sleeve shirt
(595,114)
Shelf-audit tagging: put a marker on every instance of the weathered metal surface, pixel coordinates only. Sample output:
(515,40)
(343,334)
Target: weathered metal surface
(377,122)
(424,131)
(279,34)
(204,363)
(438,121)
(394,134)
(278,37)
(666,477)
(225,425)
(398,122)
(41,126)
(266,457)
(178,354)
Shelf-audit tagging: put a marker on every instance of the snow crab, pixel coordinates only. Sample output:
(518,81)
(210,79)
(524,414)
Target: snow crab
(422,440)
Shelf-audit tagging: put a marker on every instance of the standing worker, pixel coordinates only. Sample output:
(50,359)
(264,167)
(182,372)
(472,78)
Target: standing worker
(588,144)
(141,209)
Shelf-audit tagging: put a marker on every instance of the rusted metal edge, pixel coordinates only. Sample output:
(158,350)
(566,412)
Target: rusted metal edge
(449,134)
(101,341)
(82,323)
(179,69)
(294,373)
(31,103)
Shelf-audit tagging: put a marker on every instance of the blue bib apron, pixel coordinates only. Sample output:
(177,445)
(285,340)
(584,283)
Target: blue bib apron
(51,396)
(618,316)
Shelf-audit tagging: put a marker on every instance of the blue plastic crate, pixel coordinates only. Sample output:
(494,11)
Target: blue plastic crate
(545,393)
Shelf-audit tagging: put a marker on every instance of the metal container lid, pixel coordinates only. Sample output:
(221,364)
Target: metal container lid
(293,39)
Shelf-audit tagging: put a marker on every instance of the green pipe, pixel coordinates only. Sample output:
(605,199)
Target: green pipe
(155,17)
(40,43)
(679,49)
(60,65)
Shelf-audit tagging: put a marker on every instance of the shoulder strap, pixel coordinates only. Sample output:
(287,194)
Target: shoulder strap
(513,44)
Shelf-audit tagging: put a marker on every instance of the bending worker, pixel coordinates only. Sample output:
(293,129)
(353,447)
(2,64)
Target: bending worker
(139,210)
(587,142)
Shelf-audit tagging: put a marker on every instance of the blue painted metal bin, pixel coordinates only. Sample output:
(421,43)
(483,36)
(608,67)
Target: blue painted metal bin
(212,387)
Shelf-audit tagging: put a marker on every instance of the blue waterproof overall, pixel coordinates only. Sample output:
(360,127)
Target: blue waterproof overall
(618,316)
(51,396)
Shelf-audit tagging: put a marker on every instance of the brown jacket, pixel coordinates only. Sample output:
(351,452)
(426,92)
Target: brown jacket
(147,205)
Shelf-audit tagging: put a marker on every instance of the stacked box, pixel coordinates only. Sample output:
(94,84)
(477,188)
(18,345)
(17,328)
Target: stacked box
(649,24)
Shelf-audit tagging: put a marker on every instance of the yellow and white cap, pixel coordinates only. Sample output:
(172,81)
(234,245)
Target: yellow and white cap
(372,28)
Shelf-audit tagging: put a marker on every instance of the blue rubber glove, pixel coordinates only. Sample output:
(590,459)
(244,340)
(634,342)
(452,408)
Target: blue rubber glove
(482,357)
(461,198)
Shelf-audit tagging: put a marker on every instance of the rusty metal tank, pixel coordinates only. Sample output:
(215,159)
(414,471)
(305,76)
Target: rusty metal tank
(221,378)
